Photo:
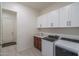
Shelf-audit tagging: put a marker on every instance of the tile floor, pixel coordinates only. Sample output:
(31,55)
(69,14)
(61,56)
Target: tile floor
(12,51)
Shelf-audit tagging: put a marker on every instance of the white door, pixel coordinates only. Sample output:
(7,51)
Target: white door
(9,26)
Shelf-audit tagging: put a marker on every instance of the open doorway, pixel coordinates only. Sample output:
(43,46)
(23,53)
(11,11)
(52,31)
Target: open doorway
(9,32)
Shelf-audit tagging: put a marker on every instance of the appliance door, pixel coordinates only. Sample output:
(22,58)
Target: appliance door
(47,48)
(63,52)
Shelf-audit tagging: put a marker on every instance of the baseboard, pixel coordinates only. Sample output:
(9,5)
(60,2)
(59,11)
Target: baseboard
(8,44)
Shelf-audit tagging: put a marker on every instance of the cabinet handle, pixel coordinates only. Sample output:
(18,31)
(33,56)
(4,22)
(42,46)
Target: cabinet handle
(40,25)
(68,23)
(51,24)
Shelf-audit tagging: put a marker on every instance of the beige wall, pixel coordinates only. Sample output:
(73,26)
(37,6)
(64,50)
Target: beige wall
(26,24)
(70,31)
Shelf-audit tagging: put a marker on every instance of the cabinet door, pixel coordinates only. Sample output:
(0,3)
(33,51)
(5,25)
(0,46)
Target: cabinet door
(74,15)
(56,18)
(53,19)
(50,20)
(44,21)
(36,42)
(39,25)
(64,17)
(39,22)
(39,44)
(49,48)
(44,49)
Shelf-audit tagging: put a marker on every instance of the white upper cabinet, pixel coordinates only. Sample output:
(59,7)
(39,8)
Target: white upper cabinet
(64,13)
(74,15)
(48,20)
(67,16)
(42,21)
(45,21)
(53,19)
(39,22)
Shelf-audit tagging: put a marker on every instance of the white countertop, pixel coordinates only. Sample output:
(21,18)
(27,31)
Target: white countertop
(72,46)
(40,36)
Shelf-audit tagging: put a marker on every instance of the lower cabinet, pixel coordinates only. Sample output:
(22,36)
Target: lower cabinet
(47,48)
(37,43)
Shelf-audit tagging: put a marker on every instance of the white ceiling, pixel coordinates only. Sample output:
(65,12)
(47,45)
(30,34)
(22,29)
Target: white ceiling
(42,5)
